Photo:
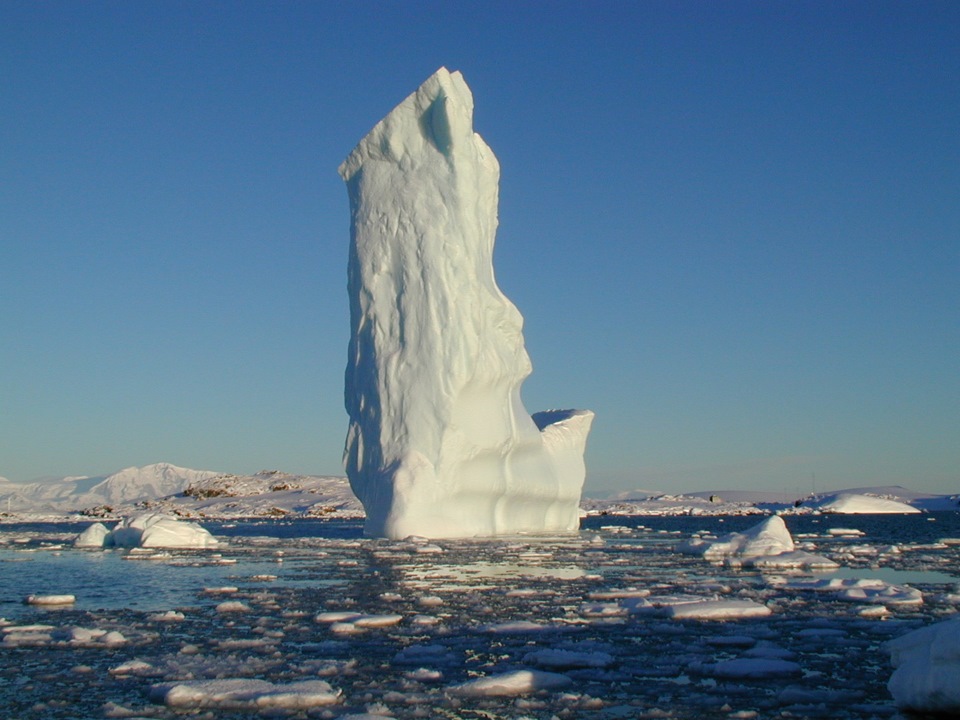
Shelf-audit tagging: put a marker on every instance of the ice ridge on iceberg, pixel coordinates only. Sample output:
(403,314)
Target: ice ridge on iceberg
(439,443)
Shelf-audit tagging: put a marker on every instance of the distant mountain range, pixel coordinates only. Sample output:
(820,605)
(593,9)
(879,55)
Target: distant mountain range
(183,491)
(272,493)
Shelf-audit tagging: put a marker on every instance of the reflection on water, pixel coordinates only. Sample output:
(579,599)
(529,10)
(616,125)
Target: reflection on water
(38,559)
(895,576)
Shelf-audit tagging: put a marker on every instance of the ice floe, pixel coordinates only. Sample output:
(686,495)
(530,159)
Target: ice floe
(147,530)
(766,545)
(926,677)
(245,694)
(698,608)
(864,590)
(50,599)
(518,682)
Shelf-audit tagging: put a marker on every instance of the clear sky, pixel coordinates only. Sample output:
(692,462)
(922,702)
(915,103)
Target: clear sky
(733,229)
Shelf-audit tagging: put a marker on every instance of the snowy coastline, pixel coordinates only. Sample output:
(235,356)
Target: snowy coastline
(198,494)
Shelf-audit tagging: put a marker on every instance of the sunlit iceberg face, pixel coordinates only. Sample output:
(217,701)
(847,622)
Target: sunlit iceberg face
(439,442)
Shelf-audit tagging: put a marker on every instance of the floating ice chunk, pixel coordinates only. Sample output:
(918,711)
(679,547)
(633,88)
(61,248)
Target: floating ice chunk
(865,590)
(795,559)
(158,530)
(335,617)
(233,606)
(245,694)
(770,537)
(518,682)
(517,627)
(927,669)
(439,442)
(38,635)
(50,599)
(168,616)
(98,636)
(94,536)
(377,621)
(27,634)
(884,595)
(691,607)
(134,667)
(224,590)
(719,609)
(615,594)
(845,532)
(424,675)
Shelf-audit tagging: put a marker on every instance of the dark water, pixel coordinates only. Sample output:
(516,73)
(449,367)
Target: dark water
(46,564)
(287,571)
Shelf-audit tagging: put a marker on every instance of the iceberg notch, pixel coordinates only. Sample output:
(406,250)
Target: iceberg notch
(439,443)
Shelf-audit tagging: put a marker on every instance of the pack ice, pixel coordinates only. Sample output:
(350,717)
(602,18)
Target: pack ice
(439,443)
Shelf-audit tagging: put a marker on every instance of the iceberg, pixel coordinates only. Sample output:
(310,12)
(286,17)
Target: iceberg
(147,530)
(926,677)
(439,443)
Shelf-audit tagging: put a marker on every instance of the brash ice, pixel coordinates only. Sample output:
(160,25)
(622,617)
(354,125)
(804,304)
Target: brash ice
(439,442)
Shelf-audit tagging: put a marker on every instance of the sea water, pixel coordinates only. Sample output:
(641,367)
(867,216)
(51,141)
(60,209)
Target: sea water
(468,609)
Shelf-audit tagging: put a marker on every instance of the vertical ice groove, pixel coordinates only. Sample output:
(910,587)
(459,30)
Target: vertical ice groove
(439,443)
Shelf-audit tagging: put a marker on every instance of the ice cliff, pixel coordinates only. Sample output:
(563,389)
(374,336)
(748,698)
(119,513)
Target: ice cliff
(439,442)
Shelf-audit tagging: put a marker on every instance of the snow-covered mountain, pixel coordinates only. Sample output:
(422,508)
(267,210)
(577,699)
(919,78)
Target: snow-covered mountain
(185,492)
(125,487)
(272,493)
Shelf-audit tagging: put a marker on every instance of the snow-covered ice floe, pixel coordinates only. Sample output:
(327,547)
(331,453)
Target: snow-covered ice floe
(518,682)
(861,590)
(245,694)
(147,530)
(765,545)
(698,608)
(50,599)
(40,635)
(926,677)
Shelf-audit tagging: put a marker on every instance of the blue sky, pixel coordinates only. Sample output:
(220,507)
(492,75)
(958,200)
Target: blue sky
(733,229)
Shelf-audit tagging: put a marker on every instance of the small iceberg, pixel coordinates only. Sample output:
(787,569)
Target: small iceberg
(926,678)
(766,545)
(147,530)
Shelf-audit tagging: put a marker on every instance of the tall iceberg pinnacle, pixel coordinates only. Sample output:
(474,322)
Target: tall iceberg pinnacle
(439,442)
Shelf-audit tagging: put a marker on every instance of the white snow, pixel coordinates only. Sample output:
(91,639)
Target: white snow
(50,599)
(518,682)
(693,607)
(158,530)
(855,504)
(927,668)
(863,590)
(94,536)
(439,443)
(769,537)
(765,545)
(245,694)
